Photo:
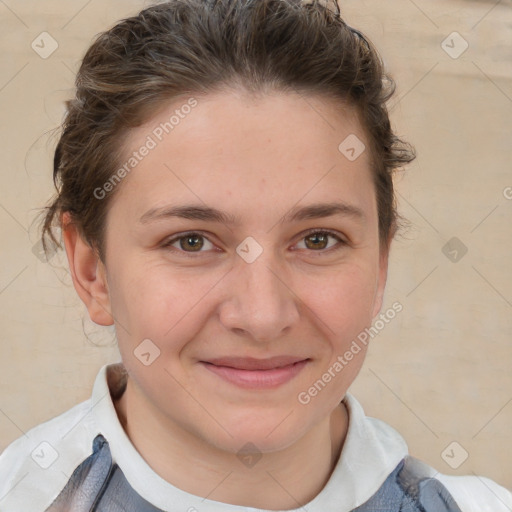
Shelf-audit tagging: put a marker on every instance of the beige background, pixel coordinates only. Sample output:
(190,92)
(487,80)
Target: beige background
(440,372)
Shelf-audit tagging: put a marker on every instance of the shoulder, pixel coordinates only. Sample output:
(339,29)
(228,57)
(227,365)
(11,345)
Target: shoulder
(35,467)
(470,493)
(477,493)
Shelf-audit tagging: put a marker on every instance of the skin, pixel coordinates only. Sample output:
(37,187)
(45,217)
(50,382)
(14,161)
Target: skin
(256,158)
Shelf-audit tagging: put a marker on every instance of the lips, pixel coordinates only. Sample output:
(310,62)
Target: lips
(249,363)
(256,374)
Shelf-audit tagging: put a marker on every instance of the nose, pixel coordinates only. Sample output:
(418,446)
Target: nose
(260,304)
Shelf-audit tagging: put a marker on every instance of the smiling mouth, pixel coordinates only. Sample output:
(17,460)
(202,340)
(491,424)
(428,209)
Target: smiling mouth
(251,363)
(256,373)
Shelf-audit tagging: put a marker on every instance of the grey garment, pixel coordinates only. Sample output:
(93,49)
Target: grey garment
(99,485)
(409,488)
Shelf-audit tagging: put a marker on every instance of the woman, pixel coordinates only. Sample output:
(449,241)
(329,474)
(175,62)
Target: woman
(225,195)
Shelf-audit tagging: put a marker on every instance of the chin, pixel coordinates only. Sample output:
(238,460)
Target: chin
(267,432)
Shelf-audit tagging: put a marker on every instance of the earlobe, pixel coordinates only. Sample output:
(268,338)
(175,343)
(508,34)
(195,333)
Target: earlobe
(88,273)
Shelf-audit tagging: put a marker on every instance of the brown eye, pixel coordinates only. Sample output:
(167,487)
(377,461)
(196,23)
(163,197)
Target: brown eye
(319,241)
(193,242)
(189,243)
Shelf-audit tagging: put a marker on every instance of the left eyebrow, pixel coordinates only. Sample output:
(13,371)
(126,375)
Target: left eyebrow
(206,213)
(321,210)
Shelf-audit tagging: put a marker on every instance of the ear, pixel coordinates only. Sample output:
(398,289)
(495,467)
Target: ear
(88,273)
(381,279)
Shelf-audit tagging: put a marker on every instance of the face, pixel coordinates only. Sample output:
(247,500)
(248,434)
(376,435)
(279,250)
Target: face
(243,248)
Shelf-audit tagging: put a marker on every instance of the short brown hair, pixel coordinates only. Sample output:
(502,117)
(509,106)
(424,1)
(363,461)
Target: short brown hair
(199,46)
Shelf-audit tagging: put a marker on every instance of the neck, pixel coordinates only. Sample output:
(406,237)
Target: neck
(282,480)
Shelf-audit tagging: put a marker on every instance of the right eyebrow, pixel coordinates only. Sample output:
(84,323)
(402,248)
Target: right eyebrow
(191,212)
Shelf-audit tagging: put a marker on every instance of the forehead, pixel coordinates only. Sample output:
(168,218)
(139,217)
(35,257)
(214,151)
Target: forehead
(257,151)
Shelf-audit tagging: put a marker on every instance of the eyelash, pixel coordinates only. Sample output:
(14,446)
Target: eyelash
(319,252)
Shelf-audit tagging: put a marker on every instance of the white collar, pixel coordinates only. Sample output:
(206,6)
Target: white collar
(371,450)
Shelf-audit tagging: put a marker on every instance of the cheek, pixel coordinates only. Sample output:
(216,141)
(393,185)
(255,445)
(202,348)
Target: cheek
(151,301)
(342,300)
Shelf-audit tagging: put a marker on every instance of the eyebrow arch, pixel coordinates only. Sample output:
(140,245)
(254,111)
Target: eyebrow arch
(206,213)
(321,210)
